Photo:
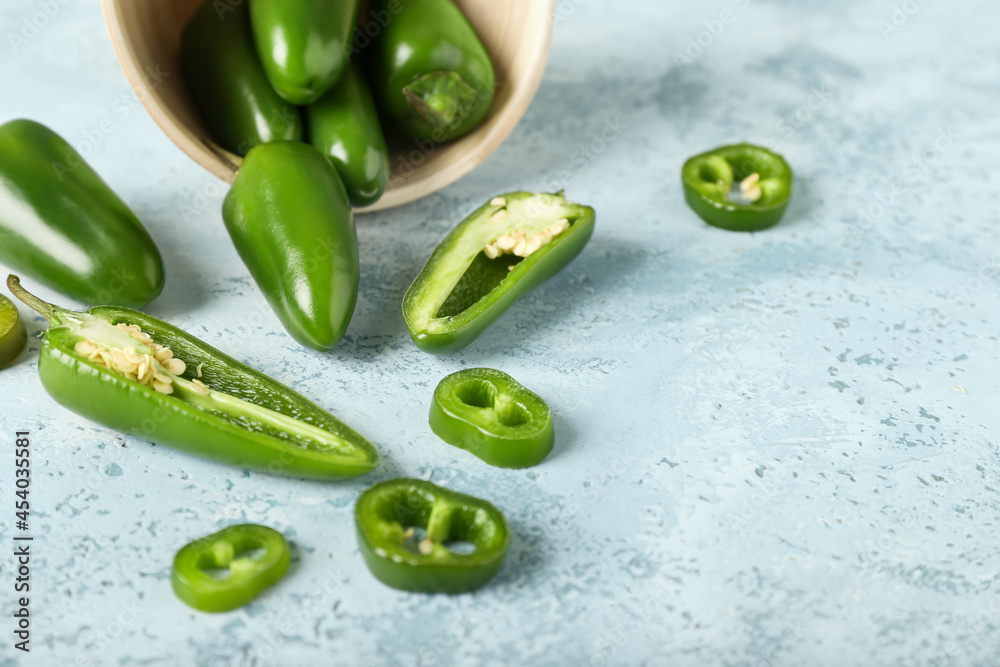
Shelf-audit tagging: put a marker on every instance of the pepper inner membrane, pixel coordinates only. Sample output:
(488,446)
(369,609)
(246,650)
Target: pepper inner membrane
(483,394)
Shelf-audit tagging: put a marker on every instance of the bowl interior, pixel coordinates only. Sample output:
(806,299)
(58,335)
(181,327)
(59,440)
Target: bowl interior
(517,34)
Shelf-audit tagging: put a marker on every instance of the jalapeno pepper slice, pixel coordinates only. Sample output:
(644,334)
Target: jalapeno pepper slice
(13,336)
(491,415)
(742,187)
(228,569)
(410,533)
(134,373)
(490,260)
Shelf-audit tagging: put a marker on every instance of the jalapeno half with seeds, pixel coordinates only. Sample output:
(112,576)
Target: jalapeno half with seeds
(511,244)
(134,373)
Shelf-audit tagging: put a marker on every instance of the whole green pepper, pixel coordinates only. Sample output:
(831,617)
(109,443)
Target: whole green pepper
(62,225)
(407,530)
(489,261)
(490,414)
(290,220)
(344,126)
(764,187)
(134,373)
(304,45)
(433,77)
(13,336)
(251,558)
(228,83)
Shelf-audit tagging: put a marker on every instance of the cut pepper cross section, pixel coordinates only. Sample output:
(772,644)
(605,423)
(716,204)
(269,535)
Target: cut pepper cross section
(743,188)
(389,514)
(489,414)
(228,569)
(492,258)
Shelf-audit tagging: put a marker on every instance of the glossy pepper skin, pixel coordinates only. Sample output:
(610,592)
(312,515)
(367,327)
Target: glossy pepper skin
(491,415)
(304,45)
(708,179)
(402,559)
(460,292)
(13,336)
(63,226)
(432,75)
(245,420)
(344,126)
(228,83)
(231,549)
(290,219)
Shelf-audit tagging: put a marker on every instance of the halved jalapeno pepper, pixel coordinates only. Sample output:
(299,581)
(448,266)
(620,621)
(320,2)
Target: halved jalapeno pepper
(495,256)
(228,569)
(417,536)
(742,188)
(139,375)
(488,413)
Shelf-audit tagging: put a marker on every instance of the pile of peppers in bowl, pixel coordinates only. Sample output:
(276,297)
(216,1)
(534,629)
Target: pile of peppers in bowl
(265,75)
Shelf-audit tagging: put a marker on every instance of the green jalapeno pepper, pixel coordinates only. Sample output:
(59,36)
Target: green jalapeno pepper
(343,126)
(433,76)
(290,219)
(304,45)
(410,531)
(13,336)
(228,83)
(488,413)
(63,226)
(742,187)
(134,373)
(227,569)
(495,256)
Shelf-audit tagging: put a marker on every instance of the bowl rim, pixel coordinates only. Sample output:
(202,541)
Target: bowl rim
(223,165)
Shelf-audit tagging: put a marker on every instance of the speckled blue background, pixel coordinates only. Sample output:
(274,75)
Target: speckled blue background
(772,449)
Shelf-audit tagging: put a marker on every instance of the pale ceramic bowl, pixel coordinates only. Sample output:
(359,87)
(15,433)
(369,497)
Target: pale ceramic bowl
(517,34)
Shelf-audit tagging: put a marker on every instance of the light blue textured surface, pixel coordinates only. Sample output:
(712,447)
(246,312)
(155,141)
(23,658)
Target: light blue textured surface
(772,449)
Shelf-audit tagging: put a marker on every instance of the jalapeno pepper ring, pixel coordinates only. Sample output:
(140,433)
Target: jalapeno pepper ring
(742,187)
(227,569)
(408,530)
(489,414)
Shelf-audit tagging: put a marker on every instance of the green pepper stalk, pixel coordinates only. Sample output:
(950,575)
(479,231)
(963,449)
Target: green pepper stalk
(249,558)
(490,414)
(228,83)
(433,77)
(407,530)
(62,225)
(13,336)
(303,44)
(344,126)
(289,217)
(489,261)
(139,375)
(764,189)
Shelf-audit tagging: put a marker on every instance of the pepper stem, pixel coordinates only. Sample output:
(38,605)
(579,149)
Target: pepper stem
(441,98)
(43,308)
